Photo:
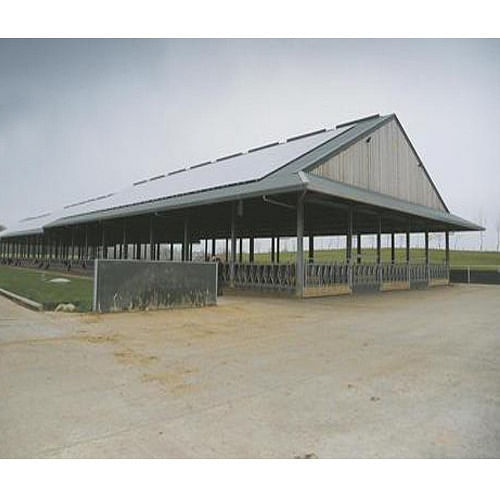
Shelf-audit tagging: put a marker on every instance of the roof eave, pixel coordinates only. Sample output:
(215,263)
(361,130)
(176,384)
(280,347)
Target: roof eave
(360,195)
(282,184)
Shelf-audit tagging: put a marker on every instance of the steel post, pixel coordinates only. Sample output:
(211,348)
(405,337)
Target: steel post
(299,277)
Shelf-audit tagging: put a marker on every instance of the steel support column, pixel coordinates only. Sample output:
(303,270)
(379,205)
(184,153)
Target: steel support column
(185,240)
(233,245)
(427,247)
(311,248)
(104,245)
(151,240)
(447,247)
(299,264)
(348,248)
(86,249)
(379,240)
(408,245)
(393,248)
(358,251)
(251,249)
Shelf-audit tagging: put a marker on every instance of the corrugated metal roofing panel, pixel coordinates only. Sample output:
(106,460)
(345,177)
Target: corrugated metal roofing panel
(234,169)
(30,226)
(229,170)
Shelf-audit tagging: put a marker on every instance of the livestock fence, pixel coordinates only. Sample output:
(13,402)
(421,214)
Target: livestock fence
(331,277)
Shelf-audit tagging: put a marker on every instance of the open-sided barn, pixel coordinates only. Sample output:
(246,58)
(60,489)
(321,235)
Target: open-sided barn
(362,177)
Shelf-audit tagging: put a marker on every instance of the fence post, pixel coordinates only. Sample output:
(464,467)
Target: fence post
(468,275)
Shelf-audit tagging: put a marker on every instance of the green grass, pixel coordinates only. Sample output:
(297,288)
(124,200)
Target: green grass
(36,285)
(458,258)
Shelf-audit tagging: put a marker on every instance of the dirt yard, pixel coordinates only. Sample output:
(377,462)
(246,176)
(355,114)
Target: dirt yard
(400,374)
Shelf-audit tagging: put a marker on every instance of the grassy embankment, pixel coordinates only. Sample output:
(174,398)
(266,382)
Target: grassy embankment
(458,258)
(36,285)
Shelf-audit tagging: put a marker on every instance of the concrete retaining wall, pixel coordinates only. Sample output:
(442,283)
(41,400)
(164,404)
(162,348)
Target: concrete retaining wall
(126,285)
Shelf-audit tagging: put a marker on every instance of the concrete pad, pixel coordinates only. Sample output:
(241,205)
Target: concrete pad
(327,291)
(412,374)
(388,286)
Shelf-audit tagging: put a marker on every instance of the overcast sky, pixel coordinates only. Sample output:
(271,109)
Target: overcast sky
(86,117)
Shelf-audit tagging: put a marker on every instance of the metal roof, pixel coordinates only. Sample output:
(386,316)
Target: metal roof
(29,226)
(239,168)
(230,170)
(270,168)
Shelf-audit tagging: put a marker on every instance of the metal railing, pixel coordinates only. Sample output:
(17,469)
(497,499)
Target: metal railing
(264,276)
(323,275)
(326,275)
(419,273)
(439,271)
(394,272)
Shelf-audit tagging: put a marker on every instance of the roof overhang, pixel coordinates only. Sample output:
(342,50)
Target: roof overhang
(383,202)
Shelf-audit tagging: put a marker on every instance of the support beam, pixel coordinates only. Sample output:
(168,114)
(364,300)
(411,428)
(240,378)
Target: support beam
(358,237)
(171,251)
(252,249)
(393,248)
(73,243)
(299,264)
(348,247)
(104,243)
(447,247)
(86,249)
(213,247)
(427,247)
(185,241)
(233,245)
(151,239)
(311,248)
(124,240)
(273,251)
(408,244)
(240,253)
(379,240)
(278,249)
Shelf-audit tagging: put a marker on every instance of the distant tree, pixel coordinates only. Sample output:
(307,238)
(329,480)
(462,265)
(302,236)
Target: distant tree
(1,228)
(481,220)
